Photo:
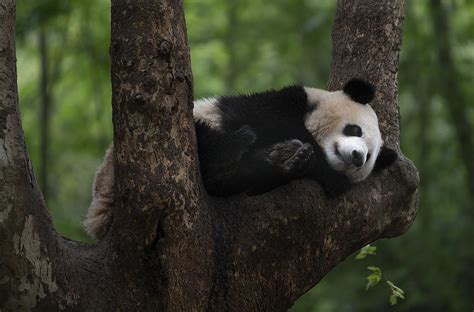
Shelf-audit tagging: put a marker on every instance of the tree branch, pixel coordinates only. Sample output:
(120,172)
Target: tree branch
(154,141)
(25,225)
(159,207)
(366,43)
(282,243)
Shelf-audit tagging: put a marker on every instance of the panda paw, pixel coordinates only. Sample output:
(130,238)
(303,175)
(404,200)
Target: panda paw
(291,157)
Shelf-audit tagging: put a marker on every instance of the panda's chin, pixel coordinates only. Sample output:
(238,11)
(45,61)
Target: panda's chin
(338,152)
(359,174)
(355,174)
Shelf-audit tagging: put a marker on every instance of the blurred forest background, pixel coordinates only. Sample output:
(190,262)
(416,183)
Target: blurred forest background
(249,45)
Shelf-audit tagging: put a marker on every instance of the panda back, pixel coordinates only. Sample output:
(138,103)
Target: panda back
(274,115)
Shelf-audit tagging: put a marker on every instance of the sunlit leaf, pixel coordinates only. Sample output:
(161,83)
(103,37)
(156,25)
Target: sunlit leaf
(365,251)
(374,278)
(397,292)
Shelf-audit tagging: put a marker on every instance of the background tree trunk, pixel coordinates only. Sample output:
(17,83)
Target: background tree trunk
(449,89)
(459,114)
(171,247)
(44,113)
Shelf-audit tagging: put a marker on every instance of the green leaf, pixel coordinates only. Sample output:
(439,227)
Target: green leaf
(397,292)
(393,300)
(374,278)
(365,251)
(375,269)
(395,288)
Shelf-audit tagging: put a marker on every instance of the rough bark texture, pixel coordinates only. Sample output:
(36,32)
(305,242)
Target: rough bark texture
(171,247)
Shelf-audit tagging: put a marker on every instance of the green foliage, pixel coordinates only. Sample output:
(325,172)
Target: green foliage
(81,128)
(374,278)
(366,251)
(397,292)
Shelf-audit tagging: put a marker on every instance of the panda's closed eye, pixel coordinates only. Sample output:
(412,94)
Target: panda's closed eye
(352,130)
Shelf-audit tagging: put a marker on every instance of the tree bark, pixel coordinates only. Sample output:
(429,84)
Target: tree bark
(171,247)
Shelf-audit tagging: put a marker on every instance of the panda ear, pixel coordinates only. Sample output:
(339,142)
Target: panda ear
(359,90)
(386,157)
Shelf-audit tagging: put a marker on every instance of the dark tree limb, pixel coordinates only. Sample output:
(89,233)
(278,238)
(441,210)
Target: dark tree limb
(160,208)
(45,107)
(366,43)
(170,246)
(24,219)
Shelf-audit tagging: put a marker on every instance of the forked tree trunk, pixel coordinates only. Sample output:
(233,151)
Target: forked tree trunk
(171,247)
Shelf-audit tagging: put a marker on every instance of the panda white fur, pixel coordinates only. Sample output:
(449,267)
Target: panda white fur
(254,143)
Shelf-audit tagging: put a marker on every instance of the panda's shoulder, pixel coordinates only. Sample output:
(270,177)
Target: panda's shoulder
(287,101)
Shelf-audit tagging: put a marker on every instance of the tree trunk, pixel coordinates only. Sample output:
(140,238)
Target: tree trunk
(457,104)
(44,114)
(171,247)
(450,89)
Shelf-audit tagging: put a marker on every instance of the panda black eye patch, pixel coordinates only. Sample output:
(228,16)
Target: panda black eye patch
(352,130)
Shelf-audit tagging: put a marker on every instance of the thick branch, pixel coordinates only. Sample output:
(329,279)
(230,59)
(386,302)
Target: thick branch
(25,225)
(158,207)
(155,152)
(274,247)
(366,43)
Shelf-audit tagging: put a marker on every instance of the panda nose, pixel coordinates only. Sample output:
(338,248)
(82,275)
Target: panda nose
(357,159)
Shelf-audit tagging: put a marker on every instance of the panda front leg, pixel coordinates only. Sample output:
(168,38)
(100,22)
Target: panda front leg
(291,158)
(278,164)
(220,155)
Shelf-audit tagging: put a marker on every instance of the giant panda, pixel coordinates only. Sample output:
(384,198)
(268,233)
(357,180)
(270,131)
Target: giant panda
(254,143)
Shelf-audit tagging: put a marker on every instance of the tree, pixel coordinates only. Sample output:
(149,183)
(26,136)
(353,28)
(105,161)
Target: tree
(457,107)
(45,115)
(171,246)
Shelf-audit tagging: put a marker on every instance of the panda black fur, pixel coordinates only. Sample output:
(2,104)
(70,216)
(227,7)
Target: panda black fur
(254,143)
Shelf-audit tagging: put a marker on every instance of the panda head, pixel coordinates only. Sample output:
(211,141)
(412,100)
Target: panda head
(347,129)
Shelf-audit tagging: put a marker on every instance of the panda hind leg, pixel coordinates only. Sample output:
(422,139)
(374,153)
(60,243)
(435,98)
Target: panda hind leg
(99,215)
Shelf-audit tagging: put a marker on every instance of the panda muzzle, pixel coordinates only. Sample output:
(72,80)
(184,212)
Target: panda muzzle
(357,159)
